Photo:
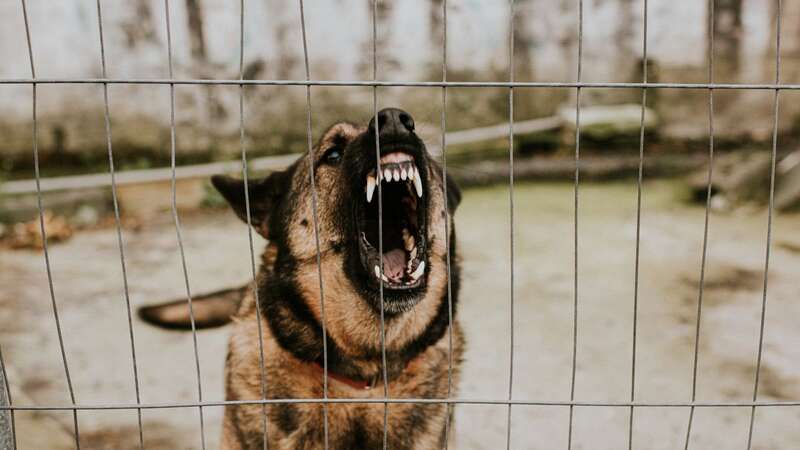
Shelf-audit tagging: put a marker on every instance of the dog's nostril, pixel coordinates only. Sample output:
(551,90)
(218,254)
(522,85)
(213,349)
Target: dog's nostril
(407,121)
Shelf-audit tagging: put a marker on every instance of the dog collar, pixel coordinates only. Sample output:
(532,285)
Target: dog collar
(358,384)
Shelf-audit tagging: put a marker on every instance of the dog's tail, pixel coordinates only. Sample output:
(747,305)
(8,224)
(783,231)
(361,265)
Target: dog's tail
(210,310)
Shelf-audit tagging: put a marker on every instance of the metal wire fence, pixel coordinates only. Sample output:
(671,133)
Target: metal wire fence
(510,401)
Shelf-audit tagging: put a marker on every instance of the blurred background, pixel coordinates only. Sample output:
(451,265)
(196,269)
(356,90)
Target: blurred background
(84,252)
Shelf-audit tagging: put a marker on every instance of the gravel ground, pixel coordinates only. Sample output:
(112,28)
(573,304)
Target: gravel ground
(89,291)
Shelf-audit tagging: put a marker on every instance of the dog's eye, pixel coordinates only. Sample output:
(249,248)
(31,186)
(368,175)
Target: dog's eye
(333,156)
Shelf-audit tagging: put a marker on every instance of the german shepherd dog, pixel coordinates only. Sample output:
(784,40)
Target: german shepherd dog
(417,231)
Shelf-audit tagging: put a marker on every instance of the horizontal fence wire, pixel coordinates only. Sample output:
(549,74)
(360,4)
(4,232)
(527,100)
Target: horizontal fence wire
(380,83)
(394,400)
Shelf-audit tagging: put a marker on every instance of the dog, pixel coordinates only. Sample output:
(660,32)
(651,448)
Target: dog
(323,251)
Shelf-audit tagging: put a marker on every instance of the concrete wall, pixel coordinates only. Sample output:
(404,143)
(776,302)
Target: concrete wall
(206,45)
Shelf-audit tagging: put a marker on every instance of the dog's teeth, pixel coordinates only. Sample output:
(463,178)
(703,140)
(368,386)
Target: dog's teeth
(377,272)
(383,277)
(387,175)
(417,273)
(396,175)
(418,184)
(370,187)
(408,240)
(403,174)
(411,172)
(413,254)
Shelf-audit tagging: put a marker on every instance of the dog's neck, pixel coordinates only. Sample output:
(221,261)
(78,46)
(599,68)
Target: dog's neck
(298,330)
(358,384)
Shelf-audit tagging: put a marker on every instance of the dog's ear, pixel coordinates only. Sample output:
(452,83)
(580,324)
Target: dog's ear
(453,194)
(263,195)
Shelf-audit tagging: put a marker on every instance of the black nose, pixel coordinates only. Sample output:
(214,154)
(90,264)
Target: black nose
(393,122)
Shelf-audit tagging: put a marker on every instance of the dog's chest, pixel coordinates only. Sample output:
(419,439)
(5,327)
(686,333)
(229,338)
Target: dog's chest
(408,426)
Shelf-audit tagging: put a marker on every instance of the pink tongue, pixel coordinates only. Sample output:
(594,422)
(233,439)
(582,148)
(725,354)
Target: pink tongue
(394,263)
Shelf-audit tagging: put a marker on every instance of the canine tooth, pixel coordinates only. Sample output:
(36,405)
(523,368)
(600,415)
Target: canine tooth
(396,175)
(419,271)
(403,174)
(387,174)
(418,184)
(413,253)
(383,277)
(377,272)
(409,242)
(370,187)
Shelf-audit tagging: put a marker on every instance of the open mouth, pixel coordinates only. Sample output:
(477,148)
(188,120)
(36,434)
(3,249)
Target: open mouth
(402,223)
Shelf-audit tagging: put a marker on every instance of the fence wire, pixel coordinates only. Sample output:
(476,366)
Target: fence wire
(176,219)
(8,406)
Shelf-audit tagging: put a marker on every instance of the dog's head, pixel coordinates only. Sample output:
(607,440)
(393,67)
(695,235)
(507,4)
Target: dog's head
(358,198)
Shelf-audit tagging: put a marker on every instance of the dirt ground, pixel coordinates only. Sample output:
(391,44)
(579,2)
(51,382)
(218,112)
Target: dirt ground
(89,291)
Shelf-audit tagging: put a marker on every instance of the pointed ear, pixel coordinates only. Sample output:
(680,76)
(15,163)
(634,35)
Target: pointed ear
(453,194)
(262,193)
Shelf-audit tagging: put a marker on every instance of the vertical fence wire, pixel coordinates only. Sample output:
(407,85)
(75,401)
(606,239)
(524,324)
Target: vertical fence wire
(575,231)
(511,217)
(640,175)
(376,129)
(42,228)
(177,222)
(262,366)
(6,400)
(118,222)
(449,407)
(704,255)
(311,163)
(770,211)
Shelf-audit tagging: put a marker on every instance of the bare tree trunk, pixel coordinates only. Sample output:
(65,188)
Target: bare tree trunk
(790,28)
(140,27)
(386,62)
(285,62)
(523,40)
(196,35)
(727,29)
(436,30)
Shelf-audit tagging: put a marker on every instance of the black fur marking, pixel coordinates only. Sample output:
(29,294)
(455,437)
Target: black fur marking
(286,417)
(299,333)
(357,437)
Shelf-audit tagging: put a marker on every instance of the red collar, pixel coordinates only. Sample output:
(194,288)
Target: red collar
(353,383)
